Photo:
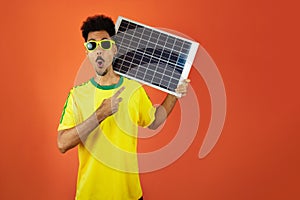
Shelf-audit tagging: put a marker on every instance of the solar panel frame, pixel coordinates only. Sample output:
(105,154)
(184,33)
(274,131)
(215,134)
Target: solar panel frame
(163,68)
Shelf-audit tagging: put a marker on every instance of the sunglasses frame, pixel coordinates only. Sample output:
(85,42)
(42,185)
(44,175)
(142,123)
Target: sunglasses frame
(99,43)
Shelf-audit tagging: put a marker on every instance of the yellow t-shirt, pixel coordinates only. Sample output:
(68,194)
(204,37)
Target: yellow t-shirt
(108,167)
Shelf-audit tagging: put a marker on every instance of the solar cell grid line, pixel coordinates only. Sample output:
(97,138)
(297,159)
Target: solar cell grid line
(145,59)
(155,79)
(144,77)
(135,39)
(171,74)
(163,73)
(152,56)
(161,40)
(155,70)
(139,33)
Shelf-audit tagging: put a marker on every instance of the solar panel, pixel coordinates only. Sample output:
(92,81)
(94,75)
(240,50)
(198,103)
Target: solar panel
(152,56)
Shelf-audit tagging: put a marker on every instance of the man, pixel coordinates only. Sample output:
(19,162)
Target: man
(101,116)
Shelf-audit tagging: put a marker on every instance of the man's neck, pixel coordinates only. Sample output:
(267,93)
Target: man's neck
(110,78)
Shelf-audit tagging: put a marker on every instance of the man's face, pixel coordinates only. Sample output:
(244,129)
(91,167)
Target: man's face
(101,59)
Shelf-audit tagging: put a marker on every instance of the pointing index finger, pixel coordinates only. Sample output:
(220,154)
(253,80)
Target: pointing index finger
(118,92)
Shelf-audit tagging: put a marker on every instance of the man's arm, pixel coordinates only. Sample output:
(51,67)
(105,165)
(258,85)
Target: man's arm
(69,138)
(163,111)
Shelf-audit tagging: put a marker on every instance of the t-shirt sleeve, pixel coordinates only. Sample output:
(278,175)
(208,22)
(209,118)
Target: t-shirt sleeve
(146,109)
(67,119)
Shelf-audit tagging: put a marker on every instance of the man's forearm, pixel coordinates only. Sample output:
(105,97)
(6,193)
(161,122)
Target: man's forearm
(163,111)
(69,138)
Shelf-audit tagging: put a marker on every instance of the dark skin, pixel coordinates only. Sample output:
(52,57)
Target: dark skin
(70,138)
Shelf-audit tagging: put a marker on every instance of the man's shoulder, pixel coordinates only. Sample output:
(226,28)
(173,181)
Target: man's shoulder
(81,87)
(131,82)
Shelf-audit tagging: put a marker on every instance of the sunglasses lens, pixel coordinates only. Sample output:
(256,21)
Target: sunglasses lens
(91,45)
(105,44)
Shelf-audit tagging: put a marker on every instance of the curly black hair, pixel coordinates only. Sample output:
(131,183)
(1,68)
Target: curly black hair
(98,23)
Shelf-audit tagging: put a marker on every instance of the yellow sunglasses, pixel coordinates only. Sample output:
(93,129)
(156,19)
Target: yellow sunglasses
(93,44)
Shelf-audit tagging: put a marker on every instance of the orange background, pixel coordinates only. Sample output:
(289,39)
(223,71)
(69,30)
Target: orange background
(255,46)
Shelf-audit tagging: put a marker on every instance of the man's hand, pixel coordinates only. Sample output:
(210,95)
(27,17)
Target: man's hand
(182,88)
(109,106)
(69,138)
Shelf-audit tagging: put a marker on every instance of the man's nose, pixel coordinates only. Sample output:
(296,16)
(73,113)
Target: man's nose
(99,50)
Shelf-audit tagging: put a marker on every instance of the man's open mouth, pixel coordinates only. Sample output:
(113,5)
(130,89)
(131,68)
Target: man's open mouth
(100,61)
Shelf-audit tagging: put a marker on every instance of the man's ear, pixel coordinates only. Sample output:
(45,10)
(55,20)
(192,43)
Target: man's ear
(115,50)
